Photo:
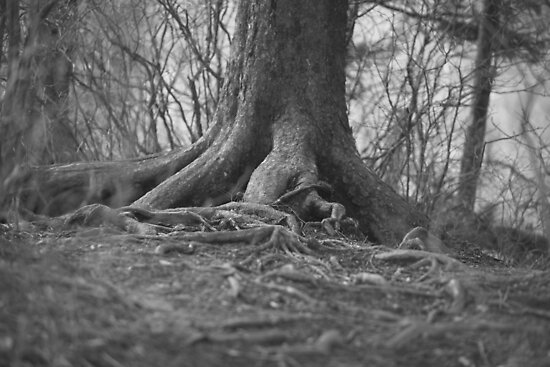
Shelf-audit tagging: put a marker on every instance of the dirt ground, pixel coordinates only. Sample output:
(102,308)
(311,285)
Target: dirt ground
(103,297)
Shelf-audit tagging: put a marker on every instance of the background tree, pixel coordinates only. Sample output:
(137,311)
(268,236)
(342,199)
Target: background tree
(417,70)
(502,34)
(484,74)
(413,81)
(33,112)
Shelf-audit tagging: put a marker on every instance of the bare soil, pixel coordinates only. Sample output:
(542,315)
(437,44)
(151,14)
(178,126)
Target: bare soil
(103,297)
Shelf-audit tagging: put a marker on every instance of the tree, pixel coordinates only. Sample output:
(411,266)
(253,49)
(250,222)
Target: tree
(411,75)
(472,156)
(33,111)
(499,35)
(280,126)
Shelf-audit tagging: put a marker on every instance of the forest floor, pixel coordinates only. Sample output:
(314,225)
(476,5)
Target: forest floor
(103,297)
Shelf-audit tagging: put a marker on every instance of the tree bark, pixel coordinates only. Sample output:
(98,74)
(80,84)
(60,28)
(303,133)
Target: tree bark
(484,73)
(280,126)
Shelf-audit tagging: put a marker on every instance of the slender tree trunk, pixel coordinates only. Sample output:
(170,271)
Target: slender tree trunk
(281,125)
(54,72)
(472,156)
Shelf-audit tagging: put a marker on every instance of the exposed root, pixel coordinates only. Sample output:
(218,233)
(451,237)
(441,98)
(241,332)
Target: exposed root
(181,248)
(368,278)
(261,337)
(265,212)
(290,272)
(423,258)
(262,238)
(329,340)
(517,308)
(96,215)
(235,287)
(422,329)
(202,221)
(294,186)
(169,218)
(404,255)
(292,291)
(324,344)
(331,213)
(291,194)
(335,245)
(420,238)
(279,238)
(254,322)
(434,267)
(458,292)
(268,259)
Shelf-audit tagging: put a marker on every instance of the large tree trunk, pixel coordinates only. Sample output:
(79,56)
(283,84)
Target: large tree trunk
(281,125)
(484,73)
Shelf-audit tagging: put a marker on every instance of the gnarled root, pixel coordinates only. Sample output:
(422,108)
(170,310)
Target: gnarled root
(422,258)
(201,218)
(261,238)
(280,238)
(420,238)
(146,222)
